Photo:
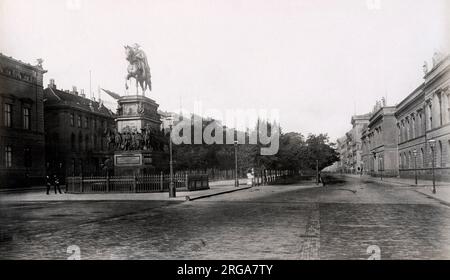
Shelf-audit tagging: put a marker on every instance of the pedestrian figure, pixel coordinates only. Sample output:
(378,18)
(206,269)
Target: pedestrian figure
(48,183)
(250,178)
(52,181)
(56,183)
(321,179)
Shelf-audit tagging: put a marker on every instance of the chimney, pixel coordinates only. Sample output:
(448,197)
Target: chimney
(82,93)
(52,84)
(74,90)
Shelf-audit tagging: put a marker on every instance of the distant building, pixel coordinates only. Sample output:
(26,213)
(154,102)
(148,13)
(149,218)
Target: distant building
(341,148)
(75,129)
(349,147)
(22,158)
(380,143)
(359,122)
(423,115)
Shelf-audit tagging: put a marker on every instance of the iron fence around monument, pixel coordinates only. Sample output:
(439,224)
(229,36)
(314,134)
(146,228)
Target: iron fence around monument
(136,184)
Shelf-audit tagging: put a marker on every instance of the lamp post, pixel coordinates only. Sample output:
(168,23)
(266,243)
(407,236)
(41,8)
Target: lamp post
(381,167)
(432,143)
(236,179)
(415,164)
(172,191)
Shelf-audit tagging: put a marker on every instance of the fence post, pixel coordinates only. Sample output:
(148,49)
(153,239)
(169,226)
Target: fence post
(81,183)
(134,182)
(161,181)
(186,182)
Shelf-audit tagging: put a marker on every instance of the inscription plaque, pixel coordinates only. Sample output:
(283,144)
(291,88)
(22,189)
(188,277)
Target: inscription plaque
(124,160)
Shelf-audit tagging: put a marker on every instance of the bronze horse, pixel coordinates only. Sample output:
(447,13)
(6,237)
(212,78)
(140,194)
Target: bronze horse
(138,68)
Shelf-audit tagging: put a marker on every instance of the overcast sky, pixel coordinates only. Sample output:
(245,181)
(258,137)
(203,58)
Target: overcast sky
(317,62)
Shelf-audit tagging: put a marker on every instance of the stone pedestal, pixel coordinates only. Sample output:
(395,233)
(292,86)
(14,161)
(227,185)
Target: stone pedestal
(129,163)
(136,112)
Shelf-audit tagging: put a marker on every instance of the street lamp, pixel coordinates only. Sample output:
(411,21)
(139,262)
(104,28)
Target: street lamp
(381,166)
(172,191)
(236,180)
(415,164)
(432,143)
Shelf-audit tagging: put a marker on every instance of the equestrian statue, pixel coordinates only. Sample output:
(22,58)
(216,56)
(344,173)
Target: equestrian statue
(138,68)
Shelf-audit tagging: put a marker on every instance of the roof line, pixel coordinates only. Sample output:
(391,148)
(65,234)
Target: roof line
(55,94)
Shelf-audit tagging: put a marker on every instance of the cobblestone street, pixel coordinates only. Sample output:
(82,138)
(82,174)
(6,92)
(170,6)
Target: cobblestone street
(339,221)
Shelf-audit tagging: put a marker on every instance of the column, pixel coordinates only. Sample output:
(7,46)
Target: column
(445,107)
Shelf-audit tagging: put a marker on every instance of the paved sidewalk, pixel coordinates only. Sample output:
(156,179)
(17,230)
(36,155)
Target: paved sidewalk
(423,186)
(216,188)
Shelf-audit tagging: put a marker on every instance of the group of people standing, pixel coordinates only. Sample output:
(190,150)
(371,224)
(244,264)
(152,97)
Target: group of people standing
(53,180)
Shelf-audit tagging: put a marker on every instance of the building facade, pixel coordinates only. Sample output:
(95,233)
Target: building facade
(75,129)
(380,143)
(22,157)
(349,146)
(422,116)
(359,123)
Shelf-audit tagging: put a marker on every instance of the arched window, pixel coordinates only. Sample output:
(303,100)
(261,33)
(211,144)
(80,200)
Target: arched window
(430,110)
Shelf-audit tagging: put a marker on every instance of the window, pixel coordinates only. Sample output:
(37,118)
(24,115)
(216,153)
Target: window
(422,156)
(86,142)
(80,142)
(26,118)
(420,128)
(411,160)
(431,118)
(27,157)
(8,156)
(86,122)
(72,166)
(79,121)
(72,142)
(7,114)
(72,119)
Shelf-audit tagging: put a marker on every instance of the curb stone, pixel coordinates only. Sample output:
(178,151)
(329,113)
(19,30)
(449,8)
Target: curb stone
(188,198)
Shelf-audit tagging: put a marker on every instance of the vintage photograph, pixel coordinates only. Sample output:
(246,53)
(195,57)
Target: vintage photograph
(224,130)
